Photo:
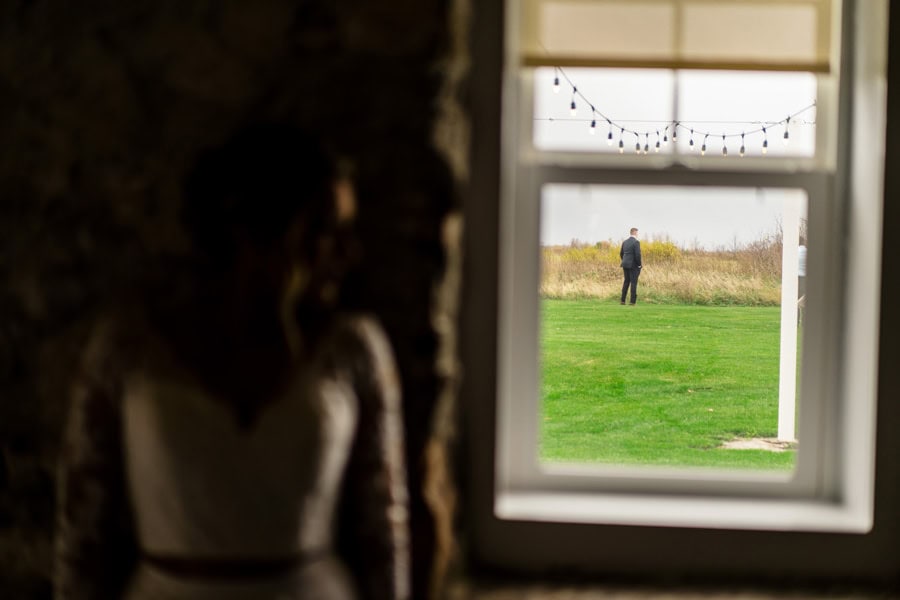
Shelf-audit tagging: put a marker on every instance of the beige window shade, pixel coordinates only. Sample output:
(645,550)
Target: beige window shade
(781,35)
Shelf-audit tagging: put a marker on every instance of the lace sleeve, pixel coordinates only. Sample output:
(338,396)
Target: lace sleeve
(94,550)
(374,512)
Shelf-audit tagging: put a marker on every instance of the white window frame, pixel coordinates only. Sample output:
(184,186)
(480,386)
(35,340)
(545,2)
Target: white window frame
(514,500)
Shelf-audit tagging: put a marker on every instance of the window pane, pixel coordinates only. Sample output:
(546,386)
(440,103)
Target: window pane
(702,370)
(731,103)
(726,114)
(631,100)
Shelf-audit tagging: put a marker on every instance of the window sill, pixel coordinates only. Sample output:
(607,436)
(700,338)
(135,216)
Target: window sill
(686,511)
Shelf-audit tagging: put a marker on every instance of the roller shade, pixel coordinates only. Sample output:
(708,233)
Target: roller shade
(779,35)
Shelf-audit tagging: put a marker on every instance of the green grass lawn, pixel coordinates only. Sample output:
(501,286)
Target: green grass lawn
(659,384)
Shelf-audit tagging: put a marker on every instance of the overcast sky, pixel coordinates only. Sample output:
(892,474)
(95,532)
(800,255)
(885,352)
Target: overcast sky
(690,217)
(719,104)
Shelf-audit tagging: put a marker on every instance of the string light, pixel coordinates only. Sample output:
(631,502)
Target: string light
(662,137)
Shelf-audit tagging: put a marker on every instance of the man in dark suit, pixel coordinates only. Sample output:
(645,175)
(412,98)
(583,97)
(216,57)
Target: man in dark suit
(630,253)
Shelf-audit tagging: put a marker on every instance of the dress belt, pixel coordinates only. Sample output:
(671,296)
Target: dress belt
(229,568)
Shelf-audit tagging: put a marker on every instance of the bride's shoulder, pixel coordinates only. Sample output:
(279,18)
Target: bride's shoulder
(359,335)
(117,342)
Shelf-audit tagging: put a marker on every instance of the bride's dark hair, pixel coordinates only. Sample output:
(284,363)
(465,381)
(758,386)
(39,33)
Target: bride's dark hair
(270,186)
(257,184)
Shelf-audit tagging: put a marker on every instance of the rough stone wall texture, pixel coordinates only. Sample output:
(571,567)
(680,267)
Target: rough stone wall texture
(103,105)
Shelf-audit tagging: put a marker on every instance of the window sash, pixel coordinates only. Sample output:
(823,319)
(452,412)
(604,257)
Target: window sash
(518,417)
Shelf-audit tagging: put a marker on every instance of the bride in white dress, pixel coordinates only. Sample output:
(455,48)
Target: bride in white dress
(244,440)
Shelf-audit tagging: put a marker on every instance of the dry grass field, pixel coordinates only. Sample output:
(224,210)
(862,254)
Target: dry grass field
(749,275)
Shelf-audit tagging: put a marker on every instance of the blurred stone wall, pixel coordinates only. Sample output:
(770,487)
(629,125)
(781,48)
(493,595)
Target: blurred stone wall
(103,106)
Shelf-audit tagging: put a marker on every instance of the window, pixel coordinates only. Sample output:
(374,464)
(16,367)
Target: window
(704,373)
(734,105)
(831,488)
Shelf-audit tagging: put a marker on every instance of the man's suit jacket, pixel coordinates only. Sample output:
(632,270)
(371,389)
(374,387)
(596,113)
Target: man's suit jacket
(630,253)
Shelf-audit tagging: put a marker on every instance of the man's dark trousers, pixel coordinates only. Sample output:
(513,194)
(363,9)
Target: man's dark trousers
(631,279)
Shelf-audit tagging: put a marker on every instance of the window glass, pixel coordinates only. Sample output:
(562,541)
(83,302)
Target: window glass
(732,103)
(624,101)
(629,111)
(702,370)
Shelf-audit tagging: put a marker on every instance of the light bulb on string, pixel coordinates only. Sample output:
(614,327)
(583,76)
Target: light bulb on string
(621,143)
(662,137)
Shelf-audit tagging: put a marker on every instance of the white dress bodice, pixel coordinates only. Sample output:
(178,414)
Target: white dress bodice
(203,486)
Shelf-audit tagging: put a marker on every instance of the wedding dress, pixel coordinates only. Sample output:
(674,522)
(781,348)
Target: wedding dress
(166,495)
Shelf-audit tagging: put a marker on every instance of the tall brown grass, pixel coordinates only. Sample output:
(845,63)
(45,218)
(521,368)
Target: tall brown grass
(745,275)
